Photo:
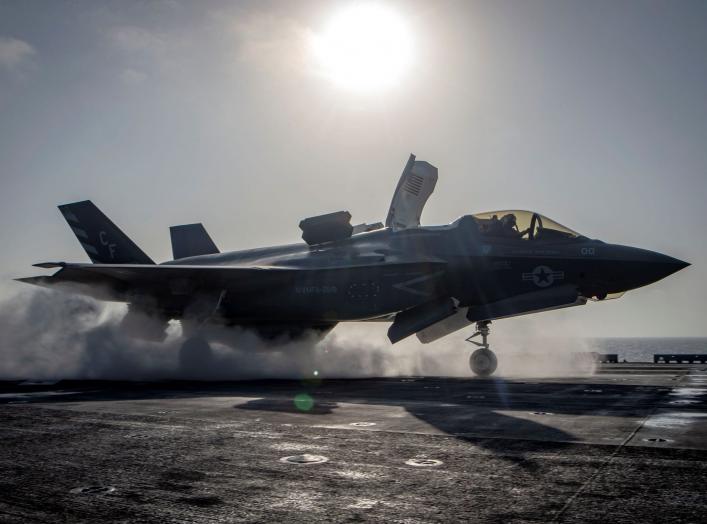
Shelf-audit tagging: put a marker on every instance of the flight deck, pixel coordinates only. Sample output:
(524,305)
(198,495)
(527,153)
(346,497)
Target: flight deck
(628,444)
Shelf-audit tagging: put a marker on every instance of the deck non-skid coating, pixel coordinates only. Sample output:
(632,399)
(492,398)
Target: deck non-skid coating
(613,447)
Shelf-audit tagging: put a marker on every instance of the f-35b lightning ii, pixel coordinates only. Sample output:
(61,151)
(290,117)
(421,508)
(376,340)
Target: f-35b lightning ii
(429,281)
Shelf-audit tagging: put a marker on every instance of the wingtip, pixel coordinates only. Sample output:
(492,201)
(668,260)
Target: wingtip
(37,281)
(49,265)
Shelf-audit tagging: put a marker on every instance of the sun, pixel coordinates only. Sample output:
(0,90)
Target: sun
(365,47)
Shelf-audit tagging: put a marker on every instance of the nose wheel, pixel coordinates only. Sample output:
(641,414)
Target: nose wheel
(483,361)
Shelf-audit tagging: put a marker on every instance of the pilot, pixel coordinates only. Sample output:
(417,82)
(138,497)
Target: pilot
(509,226)
(494,226)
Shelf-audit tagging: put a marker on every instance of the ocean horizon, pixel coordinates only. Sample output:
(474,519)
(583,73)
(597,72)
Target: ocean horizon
(642,349)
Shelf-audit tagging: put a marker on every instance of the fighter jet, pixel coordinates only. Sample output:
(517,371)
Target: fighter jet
(428,281)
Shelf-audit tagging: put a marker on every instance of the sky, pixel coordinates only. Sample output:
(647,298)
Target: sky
(171,112)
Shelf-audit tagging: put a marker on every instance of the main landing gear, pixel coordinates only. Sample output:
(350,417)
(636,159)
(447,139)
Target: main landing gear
(483,361)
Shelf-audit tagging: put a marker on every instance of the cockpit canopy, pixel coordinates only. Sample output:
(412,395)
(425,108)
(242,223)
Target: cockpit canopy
(523,225)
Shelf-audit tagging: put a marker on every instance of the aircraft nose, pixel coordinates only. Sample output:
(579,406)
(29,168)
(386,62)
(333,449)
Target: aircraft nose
(646,267)
(675,264)
(664,265)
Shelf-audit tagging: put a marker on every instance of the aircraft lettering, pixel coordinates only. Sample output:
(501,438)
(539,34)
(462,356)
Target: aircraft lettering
(588,251)
(315,290)
(541,252)
(102,236)
(368,289)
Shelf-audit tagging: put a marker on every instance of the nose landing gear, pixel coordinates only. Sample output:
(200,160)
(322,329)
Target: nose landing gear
(483,361)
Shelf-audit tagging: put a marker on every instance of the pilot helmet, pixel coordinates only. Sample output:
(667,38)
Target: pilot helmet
(509,220)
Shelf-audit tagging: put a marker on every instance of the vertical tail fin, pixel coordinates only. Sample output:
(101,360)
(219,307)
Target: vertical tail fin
(191,240)
(102,240)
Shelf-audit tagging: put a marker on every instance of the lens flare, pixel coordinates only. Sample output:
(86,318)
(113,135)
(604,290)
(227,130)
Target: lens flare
(304,402)
(366,47)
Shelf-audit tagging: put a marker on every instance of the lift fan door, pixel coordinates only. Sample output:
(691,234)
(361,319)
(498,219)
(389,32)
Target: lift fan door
(326,228)
(415,186)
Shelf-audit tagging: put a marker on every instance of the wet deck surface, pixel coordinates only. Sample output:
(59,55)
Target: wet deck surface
(628,444)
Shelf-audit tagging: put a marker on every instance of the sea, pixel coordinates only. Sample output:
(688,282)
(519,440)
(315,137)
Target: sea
(642,349)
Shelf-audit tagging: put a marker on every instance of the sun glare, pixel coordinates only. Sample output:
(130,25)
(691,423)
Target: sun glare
(365,47)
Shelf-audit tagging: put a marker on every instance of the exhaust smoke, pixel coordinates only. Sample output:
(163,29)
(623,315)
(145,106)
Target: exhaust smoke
(49,335)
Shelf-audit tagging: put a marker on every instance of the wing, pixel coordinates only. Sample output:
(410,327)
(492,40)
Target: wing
(117,281)
(121,282)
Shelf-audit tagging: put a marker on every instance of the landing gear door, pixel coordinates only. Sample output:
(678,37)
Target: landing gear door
(414,188)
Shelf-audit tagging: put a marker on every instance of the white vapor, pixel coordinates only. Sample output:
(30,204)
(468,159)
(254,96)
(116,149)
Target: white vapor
(50,335)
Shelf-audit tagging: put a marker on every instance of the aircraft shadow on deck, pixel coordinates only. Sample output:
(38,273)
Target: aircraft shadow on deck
(473,410)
